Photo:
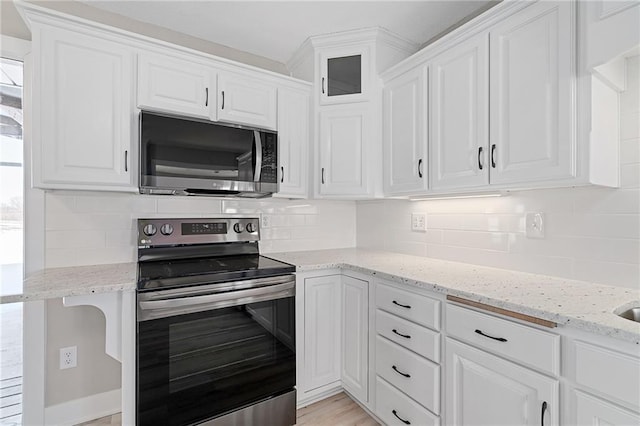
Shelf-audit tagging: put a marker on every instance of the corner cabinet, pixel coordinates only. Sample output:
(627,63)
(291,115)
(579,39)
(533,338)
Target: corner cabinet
(83,120)
(355,337)
(293,137)
(405,133)
(246,100)
(344,75)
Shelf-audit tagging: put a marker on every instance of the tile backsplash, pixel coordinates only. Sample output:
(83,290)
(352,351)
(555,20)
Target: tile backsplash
(84,228)
(591,233)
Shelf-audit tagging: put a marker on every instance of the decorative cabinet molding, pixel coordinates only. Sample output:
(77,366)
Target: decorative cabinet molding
(459,112)
(83,120)
(405,162)
(245,100)
(173,85)
(293,136)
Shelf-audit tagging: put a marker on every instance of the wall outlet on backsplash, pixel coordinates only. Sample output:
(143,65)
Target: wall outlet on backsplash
(534,225)
(265,221)
(418,222)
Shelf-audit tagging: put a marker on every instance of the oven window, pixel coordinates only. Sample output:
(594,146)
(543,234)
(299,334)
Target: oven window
(198,366)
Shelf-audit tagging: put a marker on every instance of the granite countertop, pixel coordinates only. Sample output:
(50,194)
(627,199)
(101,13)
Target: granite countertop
(74,281)
(582,305)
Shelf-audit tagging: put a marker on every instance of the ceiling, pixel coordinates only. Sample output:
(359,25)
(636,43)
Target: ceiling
(275,29)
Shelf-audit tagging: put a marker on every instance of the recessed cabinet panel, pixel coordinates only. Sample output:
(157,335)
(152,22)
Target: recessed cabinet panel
(594,411)
(531,124)
(344,75)
(405,136)
(244,100)
(172,85)
(293,138)
(344,136)
(355,337)
(460,115)
(482,389)
(84,125)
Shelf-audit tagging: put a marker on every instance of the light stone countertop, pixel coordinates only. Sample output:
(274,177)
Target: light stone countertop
(52,283)
(578,304)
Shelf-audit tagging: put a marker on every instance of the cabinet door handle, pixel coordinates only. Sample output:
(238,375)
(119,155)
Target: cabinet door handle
(126,161)
(480,158)
(493,155)
(420,167)
(281,174)
(401,305)
(499,339)
(406,336)
(406,422)
(222,100)
(322,85)
(544,408)
(322,175)
(400,372)
(206,99)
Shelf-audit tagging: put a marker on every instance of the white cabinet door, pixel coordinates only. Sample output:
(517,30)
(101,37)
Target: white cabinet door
(322,307)
(344,137)
(344,75)
(405,133)
(531,110)
(246,100)
(84,124)
(459,108)
(355,337)
(592,411)
(482,389)
(293,147)
(169,84)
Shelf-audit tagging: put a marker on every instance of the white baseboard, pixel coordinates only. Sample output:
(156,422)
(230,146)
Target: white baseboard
(83,409)
(319,394)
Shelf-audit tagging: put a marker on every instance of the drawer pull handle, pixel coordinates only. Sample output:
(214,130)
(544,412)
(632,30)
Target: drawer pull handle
(544,408)
(406,336)
(400,372)
(499,339)
(401,305)
(406,422)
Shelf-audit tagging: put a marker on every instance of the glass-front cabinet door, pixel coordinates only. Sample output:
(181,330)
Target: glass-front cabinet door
(344,75)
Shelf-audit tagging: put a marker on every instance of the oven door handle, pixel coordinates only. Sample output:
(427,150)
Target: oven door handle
(179,305)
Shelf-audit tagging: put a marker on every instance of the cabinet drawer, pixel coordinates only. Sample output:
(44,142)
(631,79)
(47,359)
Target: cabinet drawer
(421,340)
(416,308)
(395,408)
(417,377)
(526,345)
(607,372)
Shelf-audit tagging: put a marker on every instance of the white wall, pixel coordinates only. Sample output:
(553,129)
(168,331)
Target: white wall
(592,234)
(84,228)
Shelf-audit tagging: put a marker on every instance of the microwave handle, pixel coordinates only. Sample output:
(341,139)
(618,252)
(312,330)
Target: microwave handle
(258,142)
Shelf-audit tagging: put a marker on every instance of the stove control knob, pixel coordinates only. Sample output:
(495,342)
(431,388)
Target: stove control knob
(238,228)
(149,230)
(251,227)
(166,229)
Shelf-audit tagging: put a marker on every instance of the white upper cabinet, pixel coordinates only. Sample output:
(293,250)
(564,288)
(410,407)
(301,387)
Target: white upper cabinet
(173,85)
(83,120)
(405,134)
(459,108)
(344,139)
(531,100)
(293,137)
(246,100)
(344,75)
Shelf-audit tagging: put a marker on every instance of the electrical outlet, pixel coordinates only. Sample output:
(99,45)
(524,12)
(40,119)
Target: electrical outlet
(418,222)
(68,357)
(266,221)
(534,225)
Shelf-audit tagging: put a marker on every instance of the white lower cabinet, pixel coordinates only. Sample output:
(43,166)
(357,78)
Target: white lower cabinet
(483,389)
(355,337)
(595,411)
(395,409)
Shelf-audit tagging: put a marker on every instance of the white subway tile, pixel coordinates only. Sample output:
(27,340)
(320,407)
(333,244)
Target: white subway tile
(630,151)
(474,239)
(629,125)
(189,205)
(74,239)
(611,273)
(590,200)
(630,176)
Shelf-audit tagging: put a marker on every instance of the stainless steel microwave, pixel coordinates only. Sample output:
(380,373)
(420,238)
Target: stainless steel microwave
(184,156)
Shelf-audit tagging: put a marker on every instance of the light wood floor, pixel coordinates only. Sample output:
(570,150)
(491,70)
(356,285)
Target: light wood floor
(338,410)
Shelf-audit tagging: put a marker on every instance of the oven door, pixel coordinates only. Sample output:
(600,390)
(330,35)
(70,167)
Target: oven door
(207,351)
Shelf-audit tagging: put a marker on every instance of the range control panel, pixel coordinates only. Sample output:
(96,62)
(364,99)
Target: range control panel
(164,232)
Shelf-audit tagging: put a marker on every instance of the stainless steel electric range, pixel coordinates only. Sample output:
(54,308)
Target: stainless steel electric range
(216,326)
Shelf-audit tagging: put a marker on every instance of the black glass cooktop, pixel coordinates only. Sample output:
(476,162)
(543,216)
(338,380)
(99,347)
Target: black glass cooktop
(165,274)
